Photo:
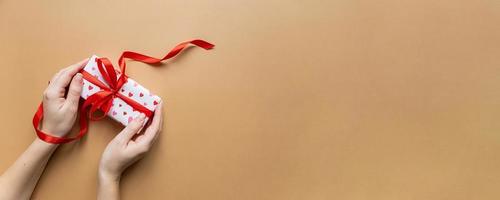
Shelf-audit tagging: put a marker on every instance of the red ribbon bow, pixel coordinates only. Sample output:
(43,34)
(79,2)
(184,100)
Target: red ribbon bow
(103,99)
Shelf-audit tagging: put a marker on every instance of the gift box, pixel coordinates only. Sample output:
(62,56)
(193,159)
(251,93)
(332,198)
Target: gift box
(110,90)
(120,110)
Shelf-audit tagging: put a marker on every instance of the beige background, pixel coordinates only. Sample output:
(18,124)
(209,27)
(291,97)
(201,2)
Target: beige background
(342,99)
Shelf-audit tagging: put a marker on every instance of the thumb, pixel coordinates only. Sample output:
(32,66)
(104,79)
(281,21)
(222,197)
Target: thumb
(131,129)
(74,92)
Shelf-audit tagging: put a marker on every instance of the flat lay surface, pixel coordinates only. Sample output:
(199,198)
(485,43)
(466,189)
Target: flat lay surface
(298,100)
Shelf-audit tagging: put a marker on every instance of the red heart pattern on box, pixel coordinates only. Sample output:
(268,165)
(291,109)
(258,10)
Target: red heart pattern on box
(120,111)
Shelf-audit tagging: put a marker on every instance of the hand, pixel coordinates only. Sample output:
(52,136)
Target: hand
(60,112)
(129,146)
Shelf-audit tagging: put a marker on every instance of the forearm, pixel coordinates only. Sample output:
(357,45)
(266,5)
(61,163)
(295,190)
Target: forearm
(108,187)
(19,181)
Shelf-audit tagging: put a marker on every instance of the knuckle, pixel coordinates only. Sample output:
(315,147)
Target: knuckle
(132,127)
(74,91)
(47,94)
(135,125)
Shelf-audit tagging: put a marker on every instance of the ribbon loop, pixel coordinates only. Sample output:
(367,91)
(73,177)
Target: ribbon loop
(108,72)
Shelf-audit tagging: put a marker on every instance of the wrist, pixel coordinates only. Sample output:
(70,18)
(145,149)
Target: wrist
(40,142)
(108,186)
(51,129)
(108,177)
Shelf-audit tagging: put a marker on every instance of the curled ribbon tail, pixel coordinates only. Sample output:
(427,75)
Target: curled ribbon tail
(151,60)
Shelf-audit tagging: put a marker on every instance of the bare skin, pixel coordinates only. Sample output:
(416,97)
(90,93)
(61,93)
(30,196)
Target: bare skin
(20,179)
(125,149)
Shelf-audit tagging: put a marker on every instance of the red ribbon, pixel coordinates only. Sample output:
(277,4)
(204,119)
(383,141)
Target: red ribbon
(103,99)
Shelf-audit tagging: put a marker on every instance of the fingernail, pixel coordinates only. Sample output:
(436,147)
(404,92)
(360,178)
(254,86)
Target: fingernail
(142,116)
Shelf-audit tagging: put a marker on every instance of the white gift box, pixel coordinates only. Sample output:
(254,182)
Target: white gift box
(120,110)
